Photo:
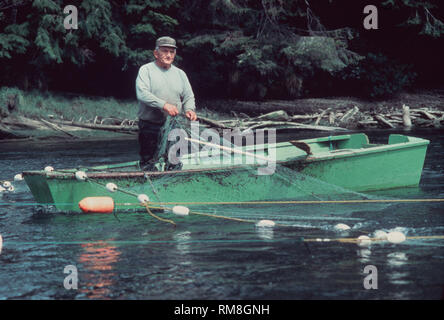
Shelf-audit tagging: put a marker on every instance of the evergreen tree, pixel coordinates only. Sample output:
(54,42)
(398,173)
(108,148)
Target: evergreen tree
(229,48)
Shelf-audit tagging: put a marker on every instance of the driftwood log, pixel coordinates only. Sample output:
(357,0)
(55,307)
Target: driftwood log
(97,126)
(57,128)
(331,119)
(327,119)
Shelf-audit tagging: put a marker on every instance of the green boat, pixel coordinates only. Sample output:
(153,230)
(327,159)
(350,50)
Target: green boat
(346,161)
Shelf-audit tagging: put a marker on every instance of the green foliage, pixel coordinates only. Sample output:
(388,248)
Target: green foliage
(143,22)
(262,49)
(244,49)
(5,96)
(418,14)
(14,40)
(33,37)
(34,104)
(377,76)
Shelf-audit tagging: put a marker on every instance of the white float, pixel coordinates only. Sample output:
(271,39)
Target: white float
(396,237)
(111,187)
(143,198)
(342,227)
(364,241)
(181,210)
(81,176)
(266,223)
(49,169)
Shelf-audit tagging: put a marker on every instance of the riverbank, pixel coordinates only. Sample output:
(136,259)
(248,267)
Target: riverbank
(34,116)
(40,116)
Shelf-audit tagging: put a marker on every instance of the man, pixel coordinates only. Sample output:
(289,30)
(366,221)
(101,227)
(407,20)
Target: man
(162,90)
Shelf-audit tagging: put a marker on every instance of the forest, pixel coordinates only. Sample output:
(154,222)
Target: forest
(231,49)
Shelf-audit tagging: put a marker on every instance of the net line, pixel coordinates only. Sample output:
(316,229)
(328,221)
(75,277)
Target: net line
(309,187)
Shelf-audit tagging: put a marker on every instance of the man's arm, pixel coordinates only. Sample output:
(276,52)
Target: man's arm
(189,103)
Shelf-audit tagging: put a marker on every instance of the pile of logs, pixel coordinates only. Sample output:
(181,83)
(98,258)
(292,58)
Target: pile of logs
(329,119)
(407,118)
(337,119)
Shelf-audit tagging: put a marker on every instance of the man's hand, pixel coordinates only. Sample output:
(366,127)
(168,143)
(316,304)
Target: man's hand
(171,109)
(191,115)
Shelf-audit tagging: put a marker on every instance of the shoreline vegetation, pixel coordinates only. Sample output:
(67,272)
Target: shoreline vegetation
(27,116)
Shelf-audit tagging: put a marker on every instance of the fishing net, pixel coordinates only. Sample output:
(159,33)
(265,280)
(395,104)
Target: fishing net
(286,194)
(161,159)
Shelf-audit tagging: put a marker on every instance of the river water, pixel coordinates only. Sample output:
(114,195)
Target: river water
(134,256)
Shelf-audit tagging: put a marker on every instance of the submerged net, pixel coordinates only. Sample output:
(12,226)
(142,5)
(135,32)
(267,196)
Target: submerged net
(309,198)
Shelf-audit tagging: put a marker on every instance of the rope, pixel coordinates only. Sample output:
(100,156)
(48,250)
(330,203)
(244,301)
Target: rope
(118,189)
(152,205)
(357,240)
(425,237)
(135,195)
(160,204)
(209,215)
(157,217)
(293,202)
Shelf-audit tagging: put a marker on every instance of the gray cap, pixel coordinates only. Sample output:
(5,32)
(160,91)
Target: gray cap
(166,42)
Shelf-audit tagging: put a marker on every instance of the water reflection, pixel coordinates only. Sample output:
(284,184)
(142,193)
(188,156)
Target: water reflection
(364,255)
(98,258)
(183,241)
(265,233)
(396,260)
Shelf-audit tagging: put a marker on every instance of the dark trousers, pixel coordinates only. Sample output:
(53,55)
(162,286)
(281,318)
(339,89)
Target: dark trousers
(148,140)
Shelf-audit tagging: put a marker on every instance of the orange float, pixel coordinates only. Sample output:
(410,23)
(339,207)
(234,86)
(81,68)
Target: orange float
(97,205)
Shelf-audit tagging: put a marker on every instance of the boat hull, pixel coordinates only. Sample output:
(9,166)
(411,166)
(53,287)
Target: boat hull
(340,164)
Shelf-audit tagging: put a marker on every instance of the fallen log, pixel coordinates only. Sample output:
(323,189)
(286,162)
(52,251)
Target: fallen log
(279,115)
(437,112)
(349,114)
(112,121)
(321,115)
(367,122)
(425,122)
(382,120)
(288,125)
(425,113)
(57,128)
(213,122)
(304,116)
(114,128)
(22,122)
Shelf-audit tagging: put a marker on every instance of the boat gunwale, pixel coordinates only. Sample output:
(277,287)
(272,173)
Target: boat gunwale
(142,174)
(321,156)
(335,154)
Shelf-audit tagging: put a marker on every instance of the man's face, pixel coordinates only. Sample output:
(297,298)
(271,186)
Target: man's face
(165,56)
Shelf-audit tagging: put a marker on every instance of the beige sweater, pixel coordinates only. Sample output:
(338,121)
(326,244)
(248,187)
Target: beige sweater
(156,86)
